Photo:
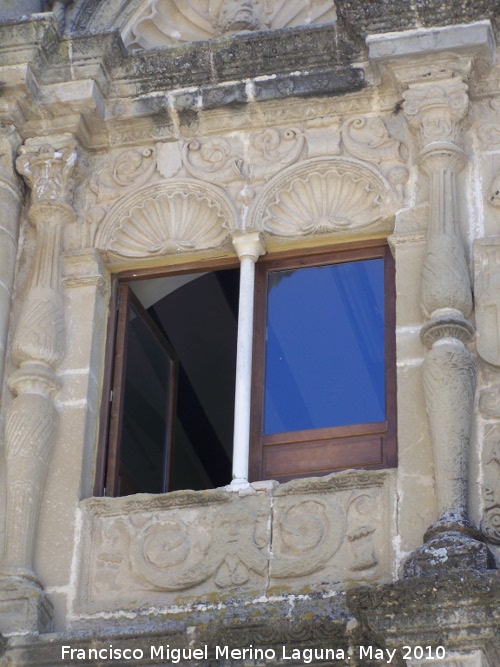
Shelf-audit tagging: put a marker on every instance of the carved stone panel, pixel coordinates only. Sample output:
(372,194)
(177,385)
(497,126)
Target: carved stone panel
(175,548)
(487,297)
(189,547)
(330,530)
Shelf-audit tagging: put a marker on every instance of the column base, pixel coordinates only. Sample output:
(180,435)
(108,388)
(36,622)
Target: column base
(24,607)
(449,546)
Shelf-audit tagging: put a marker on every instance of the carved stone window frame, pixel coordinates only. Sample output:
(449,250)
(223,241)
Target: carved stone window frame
(310,256)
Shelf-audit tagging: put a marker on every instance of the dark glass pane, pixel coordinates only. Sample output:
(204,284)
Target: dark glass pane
(325,347)
(145,411)
(199,319)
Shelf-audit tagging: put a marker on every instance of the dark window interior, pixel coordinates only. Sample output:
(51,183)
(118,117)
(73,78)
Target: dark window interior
(176,408)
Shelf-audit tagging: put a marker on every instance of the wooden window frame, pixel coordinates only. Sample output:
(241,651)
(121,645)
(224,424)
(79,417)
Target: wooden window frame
(285,456)
(108,476)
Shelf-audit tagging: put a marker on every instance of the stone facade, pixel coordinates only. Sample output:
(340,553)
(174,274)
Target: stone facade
(145,134)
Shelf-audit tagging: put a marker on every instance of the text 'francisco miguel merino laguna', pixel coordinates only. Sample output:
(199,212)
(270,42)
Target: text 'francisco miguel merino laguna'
(177,655)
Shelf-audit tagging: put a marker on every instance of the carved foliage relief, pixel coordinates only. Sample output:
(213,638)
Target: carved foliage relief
(192,549)
(172,22)
(190,195)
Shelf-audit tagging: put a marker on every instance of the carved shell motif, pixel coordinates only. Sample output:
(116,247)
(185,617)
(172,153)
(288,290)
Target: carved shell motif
(172,22)
(165,219)
(326,197)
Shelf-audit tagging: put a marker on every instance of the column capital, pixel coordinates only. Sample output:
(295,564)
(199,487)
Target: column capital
(436,110)
(248,244)
(47,165)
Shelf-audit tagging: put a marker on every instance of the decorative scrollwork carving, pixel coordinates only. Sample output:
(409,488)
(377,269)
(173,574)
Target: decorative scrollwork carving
(362,526)
(132,167)
(308,534)
(226,163)
(490,524)
(367,138)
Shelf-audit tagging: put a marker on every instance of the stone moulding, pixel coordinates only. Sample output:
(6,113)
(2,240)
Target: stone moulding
(189,547)
(166,218)
(324,195)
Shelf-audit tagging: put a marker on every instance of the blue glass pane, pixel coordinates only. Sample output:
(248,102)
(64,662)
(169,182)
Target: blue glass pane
(325,347)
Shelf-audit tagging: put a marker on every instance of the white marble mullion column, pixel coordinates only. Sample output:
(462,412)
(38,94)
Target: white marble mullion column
(249,247)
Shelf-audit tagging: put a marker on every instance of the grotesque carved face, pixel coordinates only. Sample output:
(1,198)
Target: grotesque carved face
(237,15)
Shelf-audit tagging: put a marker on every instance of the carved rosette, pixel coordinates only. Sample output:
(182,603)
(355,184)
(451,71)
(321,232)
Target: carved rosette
(38,347)
(437,111)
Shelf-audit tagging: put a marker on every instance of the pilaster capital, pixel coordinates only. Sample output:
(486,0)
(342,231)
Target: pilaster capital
(47,164)
(248,244)
(436,110)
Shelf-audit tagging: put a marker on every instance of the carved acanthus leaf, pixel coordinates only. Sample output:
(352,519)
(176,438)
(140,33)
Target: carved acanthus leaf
(48,170)
(172,22)
(323,196)
(167,217)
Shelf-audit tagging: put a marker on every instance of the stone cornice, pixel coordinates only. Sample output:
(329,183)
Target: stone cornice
(84,80)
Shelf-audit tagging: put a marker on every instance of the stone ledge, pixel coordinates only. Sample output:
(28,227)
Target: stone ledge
(297,622)
(433,610)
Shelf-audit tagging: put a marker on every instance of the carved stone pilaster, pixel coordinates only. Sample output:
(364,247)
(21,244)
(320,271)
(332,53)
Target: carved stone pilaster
(10,203)
(436,112)
(38,348)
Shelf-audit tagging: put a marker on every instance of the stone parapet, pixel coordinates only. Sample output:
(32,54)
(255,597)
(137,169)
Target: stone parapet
(190,548)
